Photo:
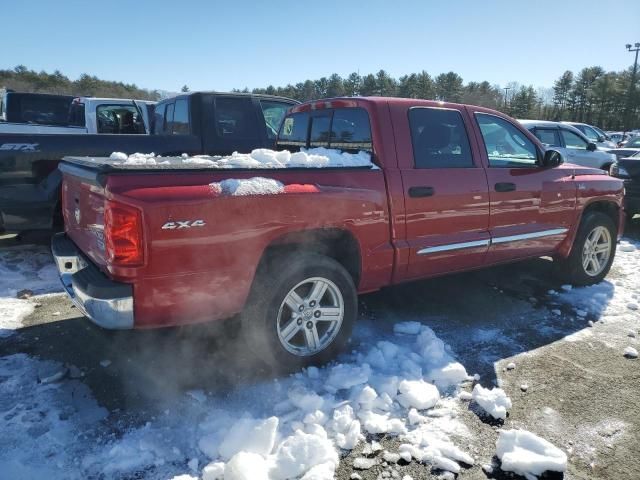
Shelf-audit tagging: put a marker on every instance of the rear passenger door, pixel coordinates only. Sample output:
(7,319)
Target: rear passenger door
(445,190)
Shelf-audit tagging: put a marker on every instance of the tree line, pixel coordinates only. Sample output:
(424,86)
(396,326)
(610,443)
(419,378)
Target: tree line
(592,95)
(21,79)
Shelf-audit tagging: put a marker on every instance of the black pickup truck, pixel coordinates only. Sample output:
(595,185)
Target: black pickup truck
(198,123)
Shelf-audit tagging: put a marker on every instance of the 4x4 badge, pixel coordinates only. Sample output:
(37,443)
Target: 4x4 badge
(178,224)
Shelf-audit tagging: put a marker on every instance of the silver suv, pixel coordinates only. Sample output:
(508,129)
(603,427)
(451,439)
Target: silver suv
(594,134)
(571,142)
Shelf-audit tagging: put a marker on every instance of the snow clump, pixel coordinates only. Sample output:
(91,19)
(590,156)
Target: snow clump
(526,454)
(495,401)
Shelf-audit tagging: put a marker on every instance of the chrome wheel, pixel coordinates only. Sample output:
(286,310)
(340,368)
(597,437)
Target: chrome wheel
(596,251)
(310,316)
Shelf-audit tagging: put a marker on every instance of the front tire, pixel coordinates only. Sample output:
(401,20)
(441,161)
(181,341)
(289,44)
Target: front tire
(593,251)
(300,312)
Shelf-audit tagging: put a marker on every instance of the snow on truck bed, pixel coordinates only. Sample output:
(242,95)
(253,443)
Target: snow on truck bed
(260,158)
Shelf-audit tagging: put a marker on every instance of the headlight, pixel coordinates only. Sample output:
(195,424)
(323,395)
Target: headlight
(617,170)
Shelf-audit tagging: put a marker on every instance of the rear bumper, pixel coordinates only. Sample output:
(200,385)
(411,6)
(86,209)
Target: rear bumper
(106,303)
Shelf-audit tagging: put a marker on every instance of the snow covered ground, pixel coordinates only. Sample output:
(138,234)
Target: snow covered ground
(400,382)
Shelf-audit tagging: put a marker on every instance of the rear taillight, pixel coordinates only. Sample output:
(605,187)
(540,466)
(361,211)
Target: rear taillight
(123,234)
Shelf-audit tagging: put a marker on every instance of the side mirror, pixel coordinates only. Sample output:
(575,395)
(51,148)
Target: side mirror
(552,158)
(591,147)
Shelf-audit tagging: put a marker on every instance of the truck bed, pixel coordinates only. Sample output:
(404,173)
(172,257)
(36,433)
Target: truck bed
(213,239)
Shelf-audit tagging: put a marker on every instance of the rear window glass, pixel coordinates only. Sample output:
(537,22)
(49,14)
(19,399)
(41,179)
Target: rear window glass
(293,132)
(124,119)
(320,130)
(76,115)
(439,138)
(236,118)
(342,128)
(350,129)
(42,110)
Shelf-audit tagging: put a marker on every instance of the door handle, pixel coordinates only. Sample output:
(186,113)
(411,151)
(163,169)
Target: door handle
(417,192)
(505,187)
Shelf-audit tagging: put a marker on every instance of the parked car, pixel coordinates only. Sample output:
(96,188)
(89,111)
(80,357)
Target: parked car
(570,141)
(594,134)
(450,188)
(628,169)
(627,149)
(194,123)
(619,138)
(92,115)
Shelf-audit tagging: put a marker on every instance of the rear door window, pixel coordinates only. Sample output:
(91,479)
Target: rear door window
(235,119)
(548,136)
(439,138)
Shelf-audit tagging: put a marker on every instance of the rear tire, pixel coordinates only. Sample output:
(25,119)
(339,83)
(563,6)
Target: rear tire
(592,253)
(300,312)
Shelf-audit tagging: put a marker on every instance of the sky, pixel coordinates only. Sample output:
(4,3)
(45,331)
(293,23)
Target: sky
(211,45)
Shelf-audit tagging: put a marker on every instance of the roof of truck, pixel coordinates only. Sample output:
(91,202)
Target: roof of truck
(230,94)
(344,101)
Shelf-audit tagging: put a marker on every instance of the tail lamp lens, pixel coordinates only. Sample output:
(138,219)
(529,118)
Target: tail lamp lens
(123,235)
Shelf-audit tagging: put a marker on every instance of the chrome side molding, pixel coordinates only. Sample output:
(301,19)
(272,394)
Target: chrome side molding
(488,242)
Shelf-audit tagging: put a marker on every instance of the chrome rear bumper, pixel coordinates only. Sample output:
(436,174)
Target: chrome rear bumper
(107,303)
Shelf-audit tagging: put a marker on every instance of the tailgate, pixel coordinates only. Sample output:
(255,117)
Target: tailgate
(83,210)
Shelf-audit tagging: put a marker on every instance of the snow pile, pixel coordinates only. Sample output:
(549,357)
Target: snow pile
(137,159)
(495,401)
(258,158)
(248,186)
(526,454)
(380,390)
(297,432)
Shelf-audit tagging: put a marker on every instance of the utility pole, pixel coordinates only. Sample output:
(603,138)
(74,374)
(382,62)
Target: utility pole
(506,95)
(632,85)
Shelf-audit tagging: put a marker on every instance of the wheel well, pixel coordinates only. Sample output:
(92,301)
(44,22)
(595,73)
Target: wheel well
(608,208)
(606,166)
(334,243)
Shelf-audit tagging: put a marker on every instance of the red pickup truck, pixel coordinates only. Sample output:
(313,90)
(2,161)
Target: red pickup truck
(450,188)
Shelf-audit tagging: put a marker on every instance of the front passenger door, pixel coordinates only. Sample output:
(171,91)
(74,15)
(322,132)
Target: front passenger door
(576,149)
(530,206)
